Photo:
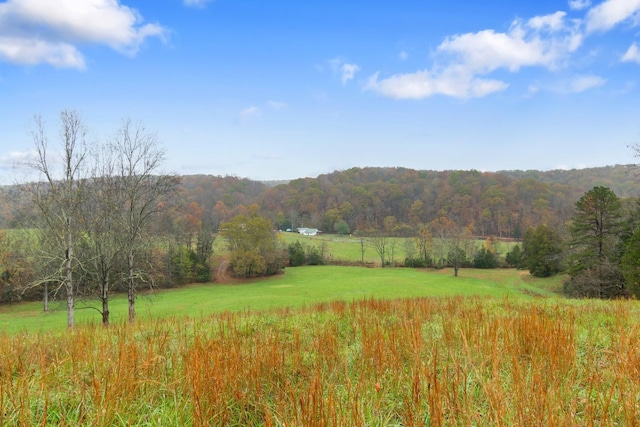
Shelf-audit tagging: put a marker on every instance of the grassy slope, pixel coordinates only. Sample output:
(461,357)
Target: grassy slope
(297,287)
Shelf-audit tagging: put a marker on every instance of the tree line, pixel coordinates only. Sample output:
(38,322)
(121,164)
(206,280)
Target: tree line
(87,214)
(598,249)
(501,204)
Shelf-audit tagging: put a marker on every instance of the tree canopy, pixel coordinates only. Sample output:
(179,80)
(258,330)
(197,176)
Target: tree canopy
(254,246)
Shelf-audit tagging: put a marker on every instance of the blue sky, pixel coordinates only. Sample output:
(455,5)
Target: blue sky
(286,89)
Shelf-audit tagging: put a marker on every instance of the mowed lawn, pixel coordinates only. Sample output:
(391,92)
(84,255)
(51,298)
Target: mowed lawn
(295,288)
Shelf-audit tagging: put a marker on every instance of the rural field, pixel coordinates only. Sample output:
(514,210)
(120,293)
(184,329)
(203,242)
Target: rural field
(297,287)
(329,346)
(451,360)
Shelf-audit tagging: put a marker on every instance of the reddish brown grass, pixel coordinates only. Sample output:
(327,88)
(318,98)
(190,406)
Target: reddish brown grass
(458,361)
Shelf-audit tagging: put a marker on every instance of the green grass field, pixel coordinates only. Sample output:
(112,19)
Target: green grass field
(348,248)
(295,288)
(330,345)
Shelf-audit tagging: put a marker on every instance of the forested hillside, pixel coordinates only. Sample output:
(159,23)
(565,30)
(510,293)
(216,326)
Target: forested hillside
(398,199)
(622,179)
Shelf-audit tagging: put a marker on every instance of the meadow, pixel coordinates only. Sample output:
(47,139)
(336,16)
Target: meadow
(437,361)
(295,288)
(330,346)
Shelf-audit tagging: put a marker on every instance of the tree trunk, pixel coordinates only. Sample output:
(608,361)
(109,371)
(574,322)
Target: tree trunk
(105,303)
(69,280)
(45,298)
(131,293)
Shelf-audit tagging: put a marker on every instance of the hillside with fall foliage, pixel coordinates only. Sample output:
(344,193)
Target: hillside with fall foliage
(397,199)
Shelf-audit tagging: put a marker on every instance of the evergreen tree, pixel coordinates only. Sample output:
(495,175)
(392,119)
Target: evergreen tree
(595,240)
(631,264)
(542,249)
(515,258)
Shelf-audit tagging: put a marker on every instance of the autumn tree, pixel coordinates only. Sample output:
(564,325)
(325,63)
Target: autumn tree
(423,242)
(16,264)
(254,246)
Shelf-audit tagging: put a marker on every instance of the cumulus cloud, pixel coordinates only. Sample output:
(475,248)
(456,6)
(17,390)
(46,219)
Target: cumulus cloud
(632,54)
(42,31)
(543,41)
(196,3)
(579,4)
(345,70)
(610,13)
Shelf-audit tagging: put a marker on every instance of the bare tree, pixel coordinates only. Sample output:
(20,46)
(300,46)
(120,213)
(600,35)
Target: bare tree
(102,247)
(144,192)
(460,243)
(380,244)
(58,194)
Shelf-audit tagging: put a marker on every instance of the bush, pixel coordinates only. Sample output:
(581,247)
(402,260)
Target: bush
(296,254)
(515,258)
(412,262)
(485,259)
(314,257)
(341,227)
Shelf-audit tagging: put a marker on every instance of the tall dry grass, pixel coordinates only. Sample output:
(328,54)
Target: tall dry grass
(458,361)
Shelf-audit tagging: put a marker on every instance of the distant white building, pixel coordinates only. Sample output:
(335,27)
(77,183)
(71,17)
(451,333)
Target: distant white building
(309,231)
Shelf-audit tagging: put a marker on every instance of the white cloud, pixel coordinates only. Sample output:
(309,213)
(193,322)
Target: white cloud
(43,31)
(551,22)
(345,70)
(579,4)
(583,83)
(632,54)
(249,113)
(543,41)
(348,72)
(609,13)
(424,84)
(196,3)
(32,52)
(14,158)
